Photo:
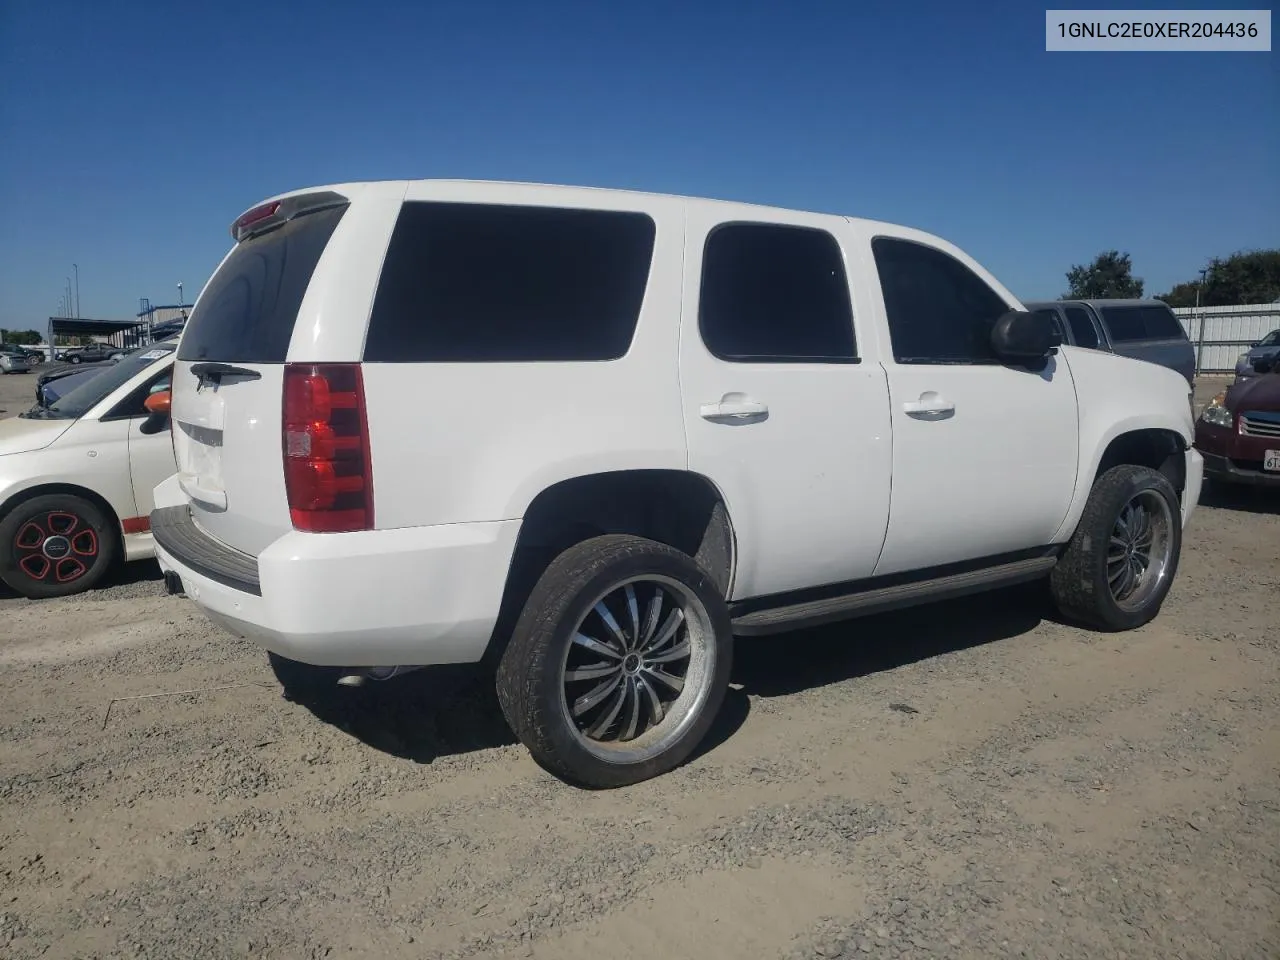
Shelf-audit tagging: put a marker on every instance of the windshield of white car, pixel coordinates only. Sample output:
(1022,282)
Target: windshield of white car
(94,390)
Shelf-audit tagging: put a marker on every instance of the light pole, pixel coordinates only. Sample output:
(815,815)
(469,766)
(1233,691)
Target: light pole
(1200,344)
(76,268)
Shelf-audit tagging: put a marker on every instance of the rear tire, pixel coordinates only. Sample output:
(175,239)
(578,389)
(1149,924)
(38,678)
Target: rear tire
(57,545)
(618,663)
(1121,561)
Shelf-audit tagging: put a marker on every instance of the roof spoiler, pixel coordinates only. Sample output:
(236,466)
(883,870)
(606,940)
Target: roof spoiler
(275,213)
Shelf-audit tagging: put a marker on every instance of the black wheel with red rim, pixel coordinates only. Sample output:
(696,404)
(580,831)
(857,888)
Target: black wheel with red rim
(56,545)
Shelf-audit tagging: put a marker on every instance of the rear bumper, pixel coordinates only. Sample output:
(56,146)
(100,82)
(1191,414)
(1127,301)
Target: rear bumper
(417,596)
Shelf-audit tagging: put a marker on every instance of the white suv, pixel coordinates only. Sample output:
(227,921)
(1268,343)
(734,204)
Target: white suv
(591,435)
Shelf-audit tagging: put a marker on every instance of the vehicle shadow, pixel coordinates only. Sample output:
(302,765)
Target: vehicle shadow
(1242,498)
(445,711)
(788,663)
(124,575)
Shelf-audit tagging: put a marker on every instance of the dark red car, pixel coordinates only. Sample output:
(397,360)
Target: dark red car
(1238,434)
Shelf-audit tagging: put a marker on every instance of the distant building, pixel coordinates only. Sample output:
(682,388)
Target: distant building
(159,321)
(153,315)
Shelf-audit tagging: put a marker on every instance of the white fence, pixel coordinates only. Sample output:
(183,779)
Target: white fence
(1221,334)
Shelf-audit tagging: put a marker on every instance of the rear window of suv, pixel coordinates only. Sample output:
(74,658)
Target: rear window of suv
(468,282)
(247,312)
(1141,323)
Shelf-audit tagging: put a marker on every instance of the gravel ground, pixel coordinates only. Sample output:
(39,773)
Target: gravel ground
(972,779)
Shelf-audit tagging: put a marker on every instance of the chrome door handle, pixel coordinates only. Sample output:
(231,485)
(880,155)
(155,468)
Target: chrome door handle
(734,408)
(930,404)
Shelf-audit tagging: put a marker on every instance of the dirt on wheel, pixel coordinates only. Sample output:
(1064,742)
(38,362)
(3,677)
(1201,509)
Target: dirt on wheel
(973,779)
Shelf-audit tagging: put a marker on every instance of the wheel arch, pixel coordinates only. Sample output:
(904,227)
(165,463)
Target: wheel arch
(69,489)
(680,508)
(1158,444)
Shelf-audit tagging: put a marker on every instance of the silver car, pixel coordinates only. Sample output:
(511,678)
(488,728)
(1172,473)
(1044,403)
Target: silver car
(14,363)
(1267,347)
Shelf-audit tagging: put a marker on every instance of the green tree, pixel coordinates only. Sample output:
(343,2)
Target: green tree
(1182,294)
(1110,276)
(1244,277)
(1251,276)
(21,336)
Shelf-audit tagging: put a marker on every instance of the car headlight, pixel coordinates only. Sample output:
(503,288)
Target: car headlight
(1217,414)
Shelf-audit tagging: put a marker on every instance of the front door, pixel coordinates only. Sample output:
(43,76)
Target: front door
(984,455)
(779,411)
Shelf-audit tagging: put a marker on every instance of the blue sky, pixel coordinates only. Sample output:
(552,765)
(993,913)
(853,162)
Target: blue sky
(133,133)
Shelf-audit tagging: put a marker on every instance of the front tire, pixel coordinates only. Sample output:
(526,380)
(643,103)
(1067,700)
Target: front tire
(1121,561)
(73,360)
(56,545)
(618,663)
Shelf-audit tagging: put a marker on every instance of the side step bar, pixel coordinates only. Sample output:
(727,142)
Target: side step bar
(813,613)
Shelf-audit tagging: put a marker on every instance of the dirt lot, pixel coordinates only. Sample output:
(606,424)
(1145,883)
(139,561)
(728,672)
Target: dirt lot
(968,780)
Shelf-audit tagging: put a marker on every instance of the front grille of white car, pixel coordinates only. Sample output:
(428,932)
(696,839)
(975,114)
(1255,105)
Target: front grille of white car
(1256,423)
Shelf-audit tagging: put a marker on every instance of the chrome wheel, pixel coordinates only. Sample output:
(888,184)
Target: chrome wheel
(638,669)
(1140,549)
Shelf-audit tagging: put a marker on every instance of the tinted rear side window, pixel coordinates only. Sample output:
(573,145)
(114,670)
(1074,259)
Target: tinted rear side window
(1082,328)
(1142,323)
(773,293)
(247,312)
(465,283)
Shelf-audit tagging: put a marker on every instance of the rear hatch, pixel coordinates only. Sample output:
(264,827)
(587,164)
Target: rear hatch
(228,379)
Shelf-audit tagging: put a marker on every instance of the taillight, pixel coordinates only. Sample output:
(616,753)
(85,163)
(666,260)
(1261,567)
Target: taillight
(327,469)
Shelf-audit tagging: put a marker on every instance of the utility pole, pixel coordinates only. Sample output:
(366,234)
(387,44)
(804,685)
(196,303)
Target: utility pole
(1200,343)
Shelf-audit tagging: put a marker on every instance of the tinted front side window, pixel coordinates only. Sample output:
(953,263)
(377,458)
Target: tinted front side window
(1052,317)
(247,312)
(1082,328)
(939,310)
(465,282)
(773,293)
(1142,323)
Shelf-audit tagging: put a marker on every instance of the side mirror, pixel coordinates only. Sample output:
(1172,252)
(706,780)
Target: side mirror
(159,402)
(1027,339)
(157,407)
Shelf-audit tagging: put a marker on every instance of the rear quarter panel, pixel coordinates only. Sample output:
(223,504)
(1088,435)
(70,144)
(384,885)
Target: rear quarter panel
(1176,355)
(454,443)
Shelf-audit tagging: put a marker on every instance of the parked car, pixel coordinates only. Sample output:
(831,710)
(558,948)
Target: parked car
(591,435)
(93,353)
(54,383)
(76,477)
(1142,329)
(14,362)
(1266,348)
(19,352)
(1238,432)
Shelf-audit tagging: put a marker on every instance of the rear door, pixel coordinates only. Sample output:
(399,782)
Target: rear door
(304,276)
(780,410)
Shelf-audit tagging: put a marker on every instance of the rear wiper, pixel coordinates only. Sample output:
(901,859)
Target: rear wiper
(213,372)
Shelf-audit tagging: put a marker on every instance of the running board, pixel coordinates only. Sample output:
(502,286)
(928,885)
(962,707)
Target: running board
(877,600)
